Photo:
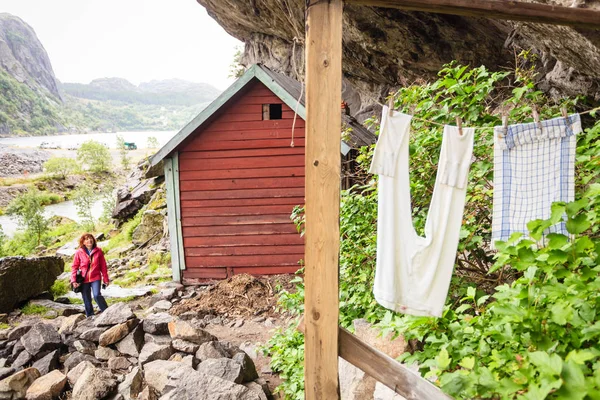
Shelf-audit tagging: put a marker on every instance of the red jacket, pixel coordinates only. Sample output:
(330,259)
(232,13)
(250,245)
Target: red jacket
(81,260)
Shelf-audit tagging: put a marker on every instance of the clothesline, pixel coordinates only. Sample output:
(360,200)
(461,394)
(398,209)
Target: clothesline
(480,127)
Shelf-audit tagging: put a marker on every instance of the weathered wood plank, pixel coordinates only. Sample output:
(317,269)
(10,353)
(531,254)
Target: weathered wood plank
(383,368)
(266,270)
(199,231)
(205,273)
(508,10)
(263,260)
(223,144)
(323,117)
(242,194)
(239,210)
(250,183)
(252,162)
(386,370)
(244,240)
(244,250)
(242,173)
(237,220)
(276,149)
(189,205)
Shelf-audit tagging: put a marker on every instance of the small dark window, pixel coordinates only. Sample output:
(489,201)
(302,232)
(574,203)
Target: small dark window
(271,111)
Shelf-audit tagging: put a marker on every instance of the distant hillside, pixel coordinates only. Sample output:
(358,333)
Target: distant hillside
(33,102)
(29,97)
(163,92)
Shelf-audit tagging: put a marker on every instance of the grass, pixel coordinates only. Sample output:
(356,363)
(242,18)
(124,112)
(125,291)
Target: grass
(158,268)
(60,288)
(112,300)
(22,180)
(4,326)
(34,309)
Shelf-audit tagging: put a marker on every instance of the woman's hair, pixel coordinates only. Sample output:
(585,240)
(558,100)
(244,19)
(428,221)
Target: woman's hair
(84,237)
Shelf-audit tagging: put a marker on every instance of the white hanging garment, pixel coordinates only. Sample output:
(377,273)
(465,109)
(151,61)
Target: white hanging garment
(413,272)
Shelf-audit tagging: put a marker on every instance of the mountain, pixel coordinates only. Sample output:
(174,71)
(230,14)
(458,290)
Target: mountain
(29,99)
(23,56)
(34,102)
(158,92)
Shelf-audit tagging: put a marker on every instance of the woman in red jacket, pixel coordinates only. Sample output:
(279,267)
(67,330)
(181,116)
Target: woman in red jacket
(90,260)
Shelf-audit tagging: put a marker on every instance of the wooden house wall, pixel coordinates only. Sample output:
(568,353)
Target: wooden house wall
(239,181)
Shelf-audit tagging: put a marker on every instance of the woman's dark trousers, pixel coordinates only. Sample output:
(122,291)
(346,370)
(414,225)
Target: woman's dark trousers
(86,293)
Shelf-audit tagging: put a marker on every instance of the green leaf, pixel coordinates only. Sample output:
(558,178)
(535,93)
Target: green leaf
(467,362)
(557,211)
(561,313)
(556,240)
(580,356)
(549,364)
(443,359)
(573,207)
(578,224)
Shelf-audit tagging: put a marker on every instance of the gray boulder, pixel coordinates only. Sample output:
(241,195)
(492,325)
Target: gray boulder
(6,371)
(156,373)
(47,363)
(47,387)
(158,339)
(18,332)
(248,368)
(150,229)
(186,383)
(23,278)
(223,368)
(93,384)
(132,343)
(75,358)
(179,329)
(185,346)
(115,314)
(74,373)
(157,323)
(105,353)
(22,359)
(131,387)
(85,346)
(41,337)
(153,351)
(212,349)
(92,334)
(16,385)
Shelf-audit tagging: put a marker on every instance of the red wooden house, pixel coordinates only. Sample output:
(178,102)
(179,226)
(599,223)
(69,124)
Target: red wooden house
(233,176)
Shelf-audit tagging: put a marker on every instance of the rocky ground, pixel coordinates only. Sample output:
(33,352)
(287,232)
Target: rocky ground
(138,350)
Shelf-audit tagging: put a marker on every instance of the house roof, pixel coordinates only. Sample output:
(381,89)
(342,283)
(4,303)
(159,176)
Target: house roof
(287,89)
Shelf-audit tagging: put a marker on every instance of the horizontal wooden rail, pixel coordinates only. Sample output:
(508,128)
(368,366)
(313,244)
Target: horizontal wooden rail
(498,9)
(384,369)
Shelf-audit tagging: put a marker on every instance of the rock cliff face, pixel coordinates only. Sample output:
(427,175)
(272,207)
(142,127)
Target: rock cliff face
(23,56)
(386,48)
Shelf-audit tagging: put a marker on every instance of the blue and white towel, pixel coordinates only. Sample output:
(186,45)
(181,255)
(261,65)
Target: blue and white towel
(532,169)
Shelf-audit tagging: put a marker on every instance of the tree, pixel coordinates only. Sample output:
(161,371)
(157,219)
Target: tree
(84,198)
(153,142)
(123,152)
(29,211)
(95,155)
(236,69)
(60,166)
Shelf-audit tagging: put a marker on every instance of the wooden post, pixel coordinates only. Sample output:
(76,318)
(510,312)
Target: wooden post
(323,127)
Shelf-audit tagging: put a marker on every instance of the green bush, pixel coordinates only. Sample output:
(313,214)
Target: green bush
(27,207)
(34,309)
(95,155)
(60,167)
(518,324)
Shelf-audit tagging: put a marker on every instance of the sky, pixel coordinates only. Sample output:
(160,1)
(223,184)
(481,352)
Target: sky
(138,40)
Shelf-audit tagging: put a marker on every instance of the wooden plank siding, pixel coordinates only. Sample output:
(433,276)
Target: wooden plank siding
(239,180)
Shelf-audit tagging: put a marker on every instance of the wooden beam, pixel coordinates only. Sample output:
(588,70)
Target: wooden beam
(498,9)
(323,125)
(384,369)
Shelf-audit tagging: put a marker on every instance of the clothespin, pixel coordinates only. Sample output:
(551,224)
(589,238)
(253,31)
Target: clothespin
(459,125)
(391,106)
(504,125)
(536,117)
(565,115)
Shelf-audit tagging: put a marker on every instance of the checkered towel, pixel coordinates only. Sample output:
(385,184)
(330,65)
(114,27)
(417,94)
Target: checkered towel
(532,169)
